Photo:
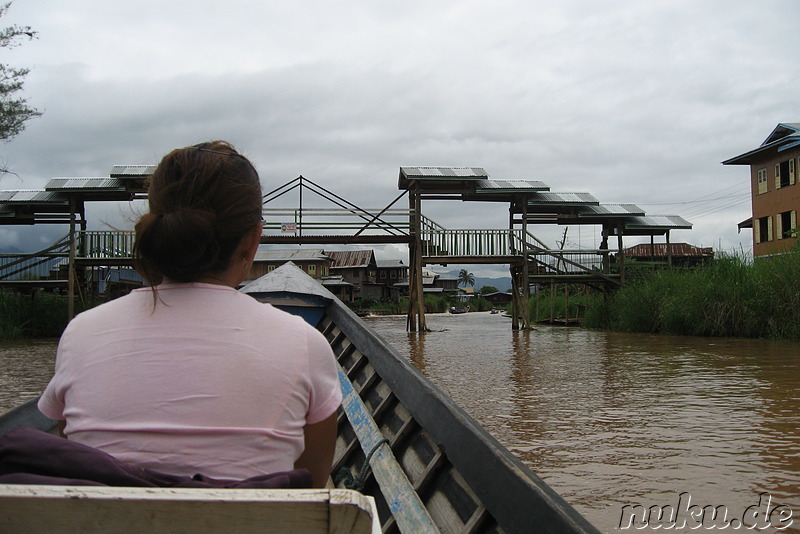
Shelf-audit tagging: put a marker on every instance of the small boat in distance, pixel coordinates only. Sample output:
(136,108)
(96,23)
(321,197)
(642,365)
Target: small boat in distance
(455,310)
(401,441)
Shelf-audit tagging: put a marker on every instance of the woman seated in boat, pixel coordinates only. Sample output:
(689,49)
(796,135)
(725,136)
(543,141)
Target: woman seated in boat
(188,375)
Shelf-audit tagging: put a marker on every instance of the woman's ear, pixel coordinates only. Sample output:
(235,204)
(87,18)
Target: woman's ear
(250,242)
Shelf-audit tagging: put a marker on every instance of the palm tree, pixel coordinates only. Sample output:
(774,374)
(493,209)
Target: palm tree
(466,278)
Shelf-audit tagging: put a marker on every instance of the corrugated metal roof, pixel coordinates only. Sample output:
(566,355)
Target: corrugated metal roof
(610,210)
(780,138)
(387,264)
(334,281)
(439,173)
(562,199)
(347,259)
(291,255)
(658,222)
(660,250)
(439,176)
(510,186)
(132,171)
(85,184)
(783,130)
(31,196)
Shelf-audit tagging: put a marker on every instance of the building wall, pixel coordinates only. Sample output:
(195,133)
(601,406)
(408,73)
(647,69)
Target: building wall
(771,201)
(315,269)
(392,275)
(355,275)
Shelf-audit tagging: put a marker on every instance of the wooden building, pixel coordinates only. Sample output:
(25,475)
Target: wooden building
(391,271)
(774,190)
(678,254)
(359,268)
(498,299)
(315,262)
(336,284)
(390,274)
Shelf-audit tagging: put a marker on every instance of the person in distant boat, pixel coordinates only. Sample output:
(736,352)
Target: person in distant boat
(189,375)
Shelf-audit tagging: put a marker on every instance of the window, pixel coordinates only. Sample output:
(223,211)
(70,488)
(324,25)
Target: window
(784,173)
(270,268)
(785,222)
(383,275)
(762,181)
(312,269)
(763,229)
(394,274)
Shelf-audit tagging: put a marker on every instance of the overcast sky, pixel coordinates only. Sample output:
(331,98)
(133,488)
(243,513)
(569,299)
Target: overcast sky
(632,101)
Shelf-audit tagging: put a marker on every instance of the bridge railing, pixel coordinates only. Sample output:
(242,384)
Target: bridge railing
(30,267)
(438,241)
(105,244)
(565,262)
(36,265)
(470,243)
(315,221)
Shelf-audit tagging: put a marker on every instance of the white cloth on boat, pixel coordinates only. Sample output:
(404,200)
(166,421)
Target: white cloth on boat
(205,379)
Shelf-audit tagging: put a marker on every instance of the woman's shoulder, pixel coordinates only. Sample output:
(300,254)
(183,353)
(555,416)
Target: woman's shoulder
(107,313)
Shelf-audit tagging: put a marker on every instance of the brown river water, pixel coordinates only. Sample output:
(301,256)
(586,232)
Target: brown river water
(606,419)
(610,419)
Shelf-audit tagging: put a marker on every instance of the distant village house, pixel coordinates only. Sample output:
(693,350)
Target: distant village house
(678,254)
(349,274)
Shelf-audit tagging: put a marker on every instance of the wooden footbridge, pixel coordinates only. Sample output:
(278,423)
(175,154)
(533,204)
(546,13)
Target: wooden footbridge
(529,203)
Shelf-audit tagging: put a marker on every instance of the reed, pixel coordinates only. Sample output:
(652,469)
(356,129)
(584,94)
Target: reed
(436,304)
(727,297)
(34,315)
(559,301)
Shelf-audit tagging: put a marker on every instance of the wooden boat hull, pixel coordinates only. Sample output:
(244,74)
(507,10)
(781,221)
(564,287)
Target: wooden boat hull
(429,466)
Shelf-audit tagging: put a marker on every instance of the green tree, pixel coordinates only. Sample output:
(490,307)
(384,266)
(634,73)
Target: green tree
(466,278)
(14,110)
(485,290)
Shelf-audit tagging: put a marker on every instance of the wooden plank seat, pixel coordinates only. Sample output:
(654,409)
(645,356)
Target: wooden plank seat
(95,509)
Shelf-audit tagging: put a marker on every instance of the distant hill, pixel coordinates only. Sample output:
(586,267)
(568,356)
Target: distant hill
(503,284)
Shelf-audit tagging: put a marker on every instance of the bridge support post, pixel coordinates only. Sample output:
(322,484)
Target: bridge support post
(71,265)
(520,274)
(416,298)
(514,299)
(520,291)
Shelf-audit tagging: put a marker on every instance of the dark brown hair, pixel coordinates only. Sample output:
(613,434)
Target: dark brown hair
(203,199)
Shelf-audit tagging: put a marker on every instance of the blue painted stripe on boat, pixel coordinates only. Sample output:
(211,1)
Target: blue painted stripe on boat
(311,315)
(404,503)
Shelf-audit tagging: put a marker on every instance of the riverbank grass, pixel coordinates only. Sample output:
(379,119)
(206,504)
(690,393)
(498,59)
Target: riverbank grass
(36,315)
(728,297)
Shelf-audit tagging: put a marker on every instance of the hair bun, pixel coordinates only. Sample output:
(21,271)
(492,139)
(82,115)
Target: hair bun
(181,243)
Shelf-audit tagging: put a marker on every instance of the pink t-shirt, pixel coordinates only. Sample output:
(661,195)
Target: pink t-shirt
(207,380)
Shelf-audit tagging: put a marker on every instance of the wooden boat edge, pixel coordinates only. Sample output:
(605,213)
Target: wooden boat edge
(502,482)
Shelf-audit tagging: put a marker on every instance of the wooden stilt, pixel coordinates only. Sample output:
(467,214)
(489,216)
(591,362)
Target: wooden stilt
(416,297)
(71,266)
(515,305)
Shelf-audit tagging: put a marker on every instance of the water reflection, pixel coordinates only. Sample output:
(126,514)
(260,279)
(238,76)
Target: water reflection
(610,419)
